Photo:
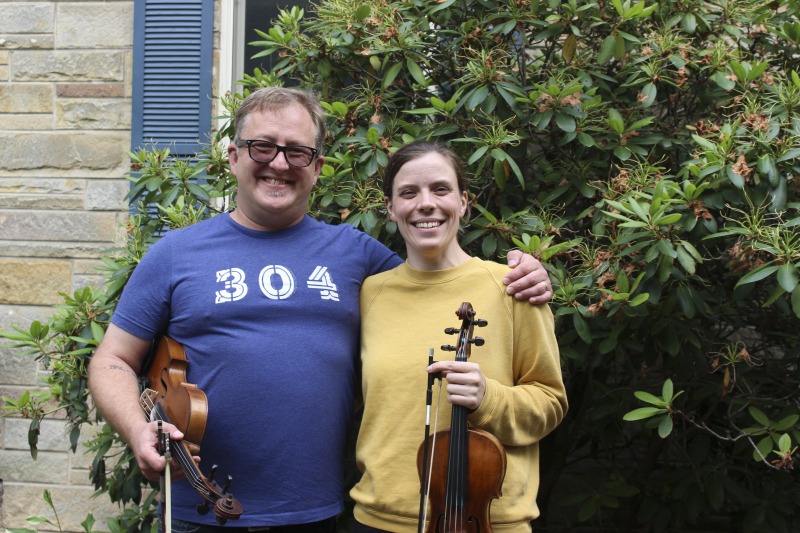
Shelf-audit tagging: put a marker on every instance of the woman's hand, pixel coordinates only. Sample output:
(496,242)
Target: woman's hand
(466,384)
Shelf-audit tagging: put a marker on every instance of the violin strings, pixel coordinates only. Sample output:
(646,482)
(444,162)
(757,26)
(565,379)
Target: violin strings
(182,455)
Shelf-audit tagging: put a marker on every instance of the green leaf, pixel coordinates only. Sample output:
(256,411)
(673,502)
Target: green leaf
(758,274)
(565,122)
(685,259)
(650,398)
(362,12)
(416,72)
(391,74)
(477,97)
(788,277)
(582,327)
(568,48)
(642,413)
(721,79)
(759,416)
(667,390)
(606,50)
(689,23)
(650,92)
(705,143)
(665,427)
(616,121)
(763,448)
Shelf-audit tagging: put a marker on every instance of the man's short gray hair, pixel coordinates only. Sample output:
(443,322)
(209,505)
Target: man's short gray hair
(271,98)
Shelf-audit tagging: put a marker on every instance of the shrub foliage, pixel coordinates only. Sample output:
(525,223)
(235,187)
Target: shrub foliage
(647,152)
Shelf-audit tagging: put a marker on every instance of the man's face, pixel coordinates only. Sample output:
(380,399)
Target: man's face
(274,195)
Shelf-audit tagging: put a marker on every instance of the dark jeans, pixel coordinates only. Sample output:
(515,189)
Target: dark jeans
(323,526)
(358,527)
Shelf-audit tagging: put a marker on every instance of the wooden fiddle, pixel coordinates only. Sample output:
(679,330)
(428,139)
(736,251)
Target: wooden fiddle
(467,465)
(168,397)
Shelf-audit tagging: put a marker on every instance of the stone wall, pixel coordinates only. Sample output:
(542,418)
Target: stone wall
(65,118)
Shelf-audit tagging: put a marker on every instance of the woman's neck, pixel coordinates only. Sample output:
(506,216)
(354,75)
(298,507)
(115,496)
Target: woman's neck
(441,260)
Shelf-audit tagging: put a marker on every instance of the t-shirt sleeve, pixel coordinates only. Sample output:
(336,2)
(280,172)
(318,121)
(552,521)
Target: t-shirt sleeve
(379,257)
(143,308)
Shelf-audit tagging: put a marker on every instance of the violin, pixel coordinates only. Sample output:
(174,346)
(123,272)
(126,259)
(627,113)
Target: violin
(169,398)
(467,466)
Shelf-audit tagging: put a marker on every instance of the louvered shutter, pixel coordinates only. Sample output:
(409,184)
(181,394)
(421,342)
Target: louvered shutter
(172,74)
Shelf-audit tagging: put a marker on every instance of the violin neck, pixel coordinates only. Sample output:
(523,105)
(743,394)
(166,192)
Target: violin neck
(181,453)
(457,459)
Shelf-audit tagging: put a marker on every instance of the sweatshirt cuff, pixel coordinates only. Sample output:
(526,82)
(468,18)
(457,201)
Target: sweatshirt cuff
(483,414)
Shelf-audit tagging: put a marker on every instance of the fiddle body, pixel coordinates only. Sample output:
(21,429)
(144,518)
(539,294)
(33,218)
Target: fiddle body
(460,509)
(461,469)
(170,398)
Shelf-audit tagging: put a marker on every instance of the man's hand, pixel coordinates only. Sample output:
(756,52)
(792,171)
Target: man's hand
(149,458)
(528,279)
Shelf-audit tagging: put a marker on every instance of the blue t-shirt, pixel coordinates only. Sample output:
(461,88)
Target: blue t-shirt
(270,325)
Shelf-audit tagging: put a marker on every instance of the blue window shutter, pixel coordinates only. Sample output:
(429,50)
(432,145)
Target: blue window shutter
(172,74)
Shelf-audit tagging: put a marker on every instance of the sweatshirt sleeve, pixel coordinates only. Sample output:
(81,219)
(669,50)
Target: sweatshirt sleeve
(525,408)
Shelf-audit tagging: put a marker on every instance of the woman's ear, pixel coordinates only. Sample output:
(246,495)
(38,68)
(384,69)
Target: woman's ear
(389,210)
(464,203)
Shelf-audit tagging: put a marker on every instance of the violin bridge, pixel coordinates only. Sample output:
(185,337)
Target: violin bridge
(148,400)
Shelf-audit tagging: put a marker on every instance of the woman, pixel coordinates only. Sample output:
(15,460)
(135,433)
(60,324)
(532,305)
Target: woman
(512,385)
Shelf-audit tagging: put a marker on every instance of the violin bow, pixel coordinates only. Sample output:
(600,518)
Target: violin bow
(166,481)
(427,463)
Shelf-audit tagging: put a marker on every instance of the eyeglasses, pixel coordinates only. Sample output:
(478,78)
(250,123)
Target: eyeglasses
(266,152)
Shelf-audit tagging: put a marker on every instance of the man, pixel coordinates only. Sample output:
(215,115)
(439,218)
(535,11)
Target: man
(265,302)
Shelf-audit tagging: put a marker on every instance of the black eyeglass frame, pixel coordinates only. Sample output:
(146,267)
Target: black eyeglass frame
(278,149)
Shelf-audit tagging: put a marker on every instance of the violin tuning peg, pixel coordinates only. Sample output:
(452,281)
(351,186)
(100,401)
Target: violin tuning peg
(203,508)
(481,323)
(451,331)
(477,341)
(221,520)
(448,348)
(226,485)
(212,473)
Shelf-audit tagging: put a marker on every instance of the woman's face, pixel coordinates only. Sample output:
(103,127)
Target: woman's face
(427,206)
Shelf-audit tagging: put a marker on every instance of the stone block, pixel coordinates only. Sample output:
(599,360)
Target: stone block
(48,467)
(68,66)
(36,282)
(42,41)
(27,122)
(50,201)
(58,226)
(26,98)
(94,114)
(27,17)
(20,316)
(35,185)
(54,249)
(64,151)
(107,195)
(53,435)
(72,503)
(16,367)
(90,90)
(96,25)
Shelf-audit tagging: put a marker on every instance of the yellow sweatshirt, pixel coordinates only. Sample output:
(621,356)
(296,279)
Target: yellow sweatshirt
(403,314)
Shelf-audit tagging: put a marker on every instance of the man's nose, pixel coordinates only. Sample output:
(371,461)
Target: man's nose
(280,162)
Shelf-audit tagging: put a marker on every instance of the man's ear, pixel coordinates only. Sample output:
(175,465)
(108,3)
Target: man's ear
(233,157)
